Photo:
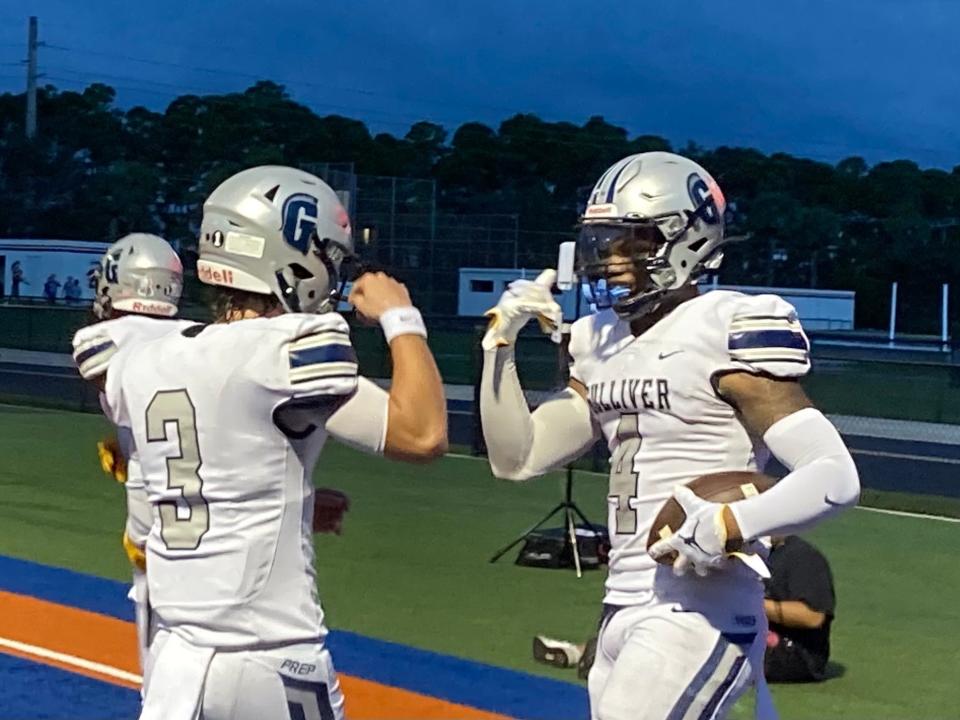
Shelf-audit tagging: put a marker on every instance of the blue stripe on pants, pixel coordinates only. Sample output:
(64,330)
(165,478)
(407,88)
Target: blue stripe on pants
(699,681)
(711,707)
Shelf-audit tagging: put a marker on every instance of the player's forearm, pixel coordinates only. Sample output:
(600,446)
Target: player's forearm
(417,412)
(823,480)
(521,444)
(793,613)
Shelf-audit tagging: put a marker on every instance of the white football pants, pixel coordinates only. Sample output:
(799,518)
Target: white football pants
(292,682)
(658,662)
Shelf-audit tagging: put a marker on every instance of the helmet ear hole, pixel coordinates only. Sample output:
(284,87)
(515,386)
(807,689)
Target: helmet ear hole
(300,272)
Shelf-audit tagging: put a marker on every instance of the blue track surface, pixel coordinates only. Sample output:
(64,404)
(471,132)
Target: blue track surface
(456,680)
(30,691)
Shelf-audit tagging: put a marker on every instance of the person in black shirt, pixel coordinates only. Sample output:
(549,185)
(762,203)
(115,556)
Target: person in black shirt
(800,604)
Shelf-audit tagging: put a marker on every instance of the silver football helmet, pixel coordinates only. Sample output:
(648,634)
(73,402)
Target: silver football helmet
(276,231)
(140,273)
(670,203)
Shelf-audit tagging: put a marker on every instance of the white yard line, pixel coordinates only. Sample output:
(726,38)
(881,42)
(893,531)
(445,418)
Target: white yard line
(906,456)
(900,513)
(904,513)
(71,660)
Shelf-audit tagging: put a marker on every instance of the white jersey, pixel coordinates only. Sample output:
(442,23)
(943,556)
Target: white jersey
(226,419)
(95,346)
(655,398)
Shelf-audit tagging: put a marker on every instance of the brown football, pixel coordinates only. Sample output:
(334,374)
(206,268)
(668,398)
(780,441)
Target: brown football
(721,487)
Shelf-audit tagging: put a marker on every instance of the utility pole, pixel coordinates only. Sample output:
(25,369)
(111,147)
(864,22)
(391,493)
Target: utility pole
(31,122)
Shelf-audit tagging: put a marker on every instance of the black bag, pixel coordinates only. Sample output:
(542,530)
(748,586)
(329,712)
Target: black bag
(551,548)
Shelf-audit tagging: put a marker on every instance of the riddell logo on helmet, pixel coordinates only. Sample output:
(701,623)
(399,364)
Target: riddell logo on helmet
(214,275)
(151,308)
(608,210)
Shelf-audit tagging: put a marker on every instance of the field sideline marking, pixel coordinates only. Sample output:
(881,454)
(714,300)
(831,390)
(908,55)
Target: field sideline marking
(904,513)
(73,660)
(900,513)
(906,456)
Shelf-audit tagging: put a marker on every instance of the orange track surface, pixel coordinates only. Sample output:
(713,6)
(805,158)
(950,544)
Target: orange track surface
(108,641)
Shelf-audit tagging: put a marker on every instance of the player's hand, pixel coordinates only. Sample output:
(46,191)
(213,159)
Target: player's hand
(329,507)
(372,294)
(700,543)
(522,300)
(112,460)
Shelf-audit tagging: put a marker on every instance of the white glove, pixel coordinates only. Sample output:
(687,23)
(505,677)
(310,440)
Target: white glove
(701,541)
(522,300)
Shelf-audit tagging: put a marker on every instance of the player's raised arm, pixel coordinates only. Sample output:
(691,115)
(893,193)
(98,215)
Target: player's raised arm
(521,444)
(823,478)
(416,428)
(768,353)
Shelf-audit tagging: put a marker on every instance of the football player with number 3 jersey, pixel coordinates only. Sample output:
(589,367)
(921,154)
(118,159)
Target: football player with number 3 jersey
(139,282)
(229,420)
(679,385)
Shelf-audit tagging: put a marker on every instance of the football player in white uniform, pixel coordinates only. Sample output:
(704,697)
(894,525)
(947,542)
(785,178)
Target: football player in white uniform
(679,385)
(139,282)
(229,420)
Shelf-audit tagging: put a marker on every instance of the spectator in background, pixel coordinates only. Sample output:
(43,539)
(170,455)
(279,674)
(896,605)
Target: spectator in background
(68,290)
(51,288)
(800,604)
(16,279)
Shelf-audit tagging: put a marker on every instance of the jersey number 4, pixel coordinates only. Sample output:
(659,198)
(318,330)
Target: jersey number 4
(623,480)
(183,470)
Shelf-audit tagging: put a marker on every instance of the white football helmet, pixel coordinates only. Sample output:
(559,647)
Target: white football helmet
(140,273)
(276,231)
(655,195)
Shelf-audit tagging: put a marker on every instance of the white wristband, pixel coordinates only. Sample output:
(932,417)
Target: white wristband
(402,321)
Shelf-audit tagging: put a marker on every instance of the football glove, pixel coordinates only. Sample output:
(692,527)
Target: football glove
(112,460)
(701,542)
(329,507)
(522,300)
(135,553)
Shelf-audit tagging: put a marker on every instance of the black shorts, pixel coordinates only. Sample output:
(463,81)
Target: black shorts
(788,662)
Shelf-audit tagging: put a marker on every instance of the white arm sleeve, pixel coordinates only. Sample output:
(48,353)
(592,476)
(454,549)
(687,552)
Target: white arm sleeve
(521,444)
(822,482)
(361,421)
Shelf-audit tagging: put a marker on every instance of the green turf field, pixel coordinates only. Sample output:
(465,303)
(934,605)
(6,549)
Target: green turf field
(412,566)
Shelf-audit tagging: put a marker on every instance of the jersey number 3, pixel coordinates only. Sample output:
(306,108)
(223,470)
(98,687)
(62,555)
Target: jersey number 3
(623,480)
(183,470)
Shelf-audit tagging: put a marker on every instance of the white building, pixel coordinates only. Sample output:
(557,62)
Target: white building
(480,288)
(28,265)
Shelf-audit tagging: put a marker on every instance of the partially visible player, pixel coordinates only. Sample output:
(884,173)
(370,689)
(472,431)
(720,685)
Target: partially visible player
(138,287)
(679,385)
(229,420)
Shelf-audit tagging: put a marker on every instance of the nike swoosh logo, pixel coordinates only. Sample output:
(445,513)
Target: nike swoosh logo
(664,356)
(831,503)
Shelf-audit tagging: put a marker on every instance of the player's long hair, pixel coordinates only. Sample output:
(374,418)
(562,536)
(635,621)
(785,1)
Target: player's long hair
(228,301)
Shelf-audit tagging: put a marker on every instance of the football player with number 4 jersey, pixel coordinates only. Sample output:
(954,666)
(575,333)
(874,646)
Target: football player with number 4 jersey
(229,420)
(679,385)
(139,282)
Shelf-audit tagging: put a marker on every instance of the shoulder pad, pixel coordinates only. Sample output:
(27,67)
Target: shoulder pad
(765,333)
(319,358)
